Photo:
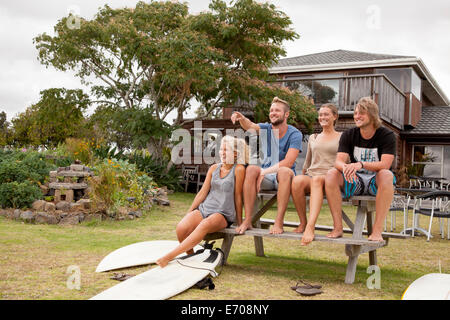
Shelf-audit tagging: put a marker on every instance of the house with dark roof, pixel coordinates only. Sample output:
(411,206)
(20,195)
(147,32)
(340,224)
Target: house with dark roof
(410,100)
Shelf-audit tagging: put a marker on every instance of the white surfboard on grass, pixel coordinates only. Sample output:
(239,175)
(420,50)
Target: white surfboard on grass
(163,283)
(138,254)
(433,286)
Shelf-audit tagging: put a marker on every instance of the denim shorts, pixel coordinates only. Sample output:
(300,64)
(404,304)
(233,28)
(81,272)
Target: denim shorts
(269,182)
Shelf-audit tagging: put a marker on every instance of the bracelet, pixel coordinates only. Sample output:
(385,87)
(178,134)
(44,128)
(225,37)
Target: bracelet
(362,165)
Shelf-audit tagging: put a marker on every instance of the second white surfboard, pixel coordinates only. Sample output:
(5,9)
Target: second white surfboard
(137,254)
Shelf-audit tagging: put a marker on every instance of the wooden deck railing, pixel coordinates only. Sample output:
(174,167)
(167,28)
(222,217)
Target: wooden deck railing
(390,99)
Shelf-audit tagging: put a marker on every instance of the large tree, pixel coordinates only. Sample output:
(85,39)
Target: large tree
(57,116)
(159,57)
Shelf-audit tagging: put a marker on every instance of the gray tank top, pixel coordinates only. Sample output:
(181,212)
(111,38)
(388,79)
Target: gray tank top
(220,198)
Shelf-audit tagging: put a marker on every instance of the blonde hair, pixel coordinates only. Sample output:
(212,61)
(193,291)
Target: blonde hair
(239,146)
(368,105)
(283,102)
(334,110)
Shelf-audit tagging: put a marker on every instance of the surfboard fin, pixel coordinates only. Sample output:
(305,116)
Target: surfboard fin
(208,245)
(212,257)
(206,282)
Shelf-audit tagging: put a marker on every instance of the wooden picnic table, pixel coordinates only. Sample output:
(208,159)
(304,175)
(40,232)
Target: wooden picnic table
(355,245)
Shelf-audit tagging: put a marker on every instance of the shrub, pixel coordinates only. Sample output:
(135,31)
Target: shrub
(19,194)
(102,152)
(80,149)
(116,181)
(16,172)
(20,166)
(38,164)
(59,156)
(21,172)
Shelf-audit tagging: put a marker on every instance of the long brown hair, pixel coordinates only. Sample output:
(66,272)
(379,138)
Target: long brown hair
(368,105)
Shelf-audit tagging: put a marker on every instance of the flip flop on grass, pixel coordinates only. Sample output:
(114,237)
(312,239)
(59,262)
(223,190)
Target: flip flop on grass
(121,276)
(307,289)
(306,285)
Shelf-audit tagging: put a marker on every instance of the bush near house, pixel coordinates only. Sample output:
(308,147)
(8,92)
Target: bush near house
(21,173)
(159,169)
(19,194)
(117,184)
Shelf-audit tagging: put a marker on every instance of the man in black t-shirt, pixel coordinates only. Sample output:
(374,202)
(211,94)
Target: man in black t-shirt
(362,167)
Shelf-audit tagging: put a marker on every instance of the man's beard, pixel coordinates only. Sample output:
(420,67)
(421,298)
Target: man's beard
(277,122)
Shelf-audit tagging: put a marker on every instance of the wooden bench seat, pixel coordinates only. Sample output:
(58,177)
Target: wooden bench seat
(256,232)
(354,245)
(289,224)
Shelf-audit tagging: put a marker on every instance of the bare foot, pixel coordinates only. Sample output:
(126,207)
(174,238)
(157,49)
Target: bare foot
(375,237)
(336,233)
(243,227)
(162,262)
(308,236)
(276,229)
(300,229)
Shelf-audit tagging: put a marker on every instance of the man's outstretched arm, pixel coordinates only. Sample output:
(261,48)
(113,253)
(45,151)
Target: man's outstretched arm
(245,123)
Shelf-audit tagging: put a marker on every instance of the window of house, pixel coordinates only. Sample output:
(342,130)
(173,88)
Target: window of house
(446,160)
(318,87)
(416,85)
(406,79)
(429,161)
(322,91)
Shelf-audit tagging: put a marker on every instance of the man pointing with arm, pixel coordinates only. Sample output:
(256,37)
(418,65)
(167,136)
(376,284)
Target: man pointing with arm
(284,143)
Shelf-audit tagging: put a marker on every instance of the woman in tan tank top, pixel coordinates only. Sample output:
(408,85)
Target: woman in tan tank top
(320,157)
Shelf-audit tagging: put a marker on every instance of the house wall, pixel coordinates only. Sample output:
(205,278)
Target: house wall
(227,112)
(399,158)
(404,148)
(413,106)
(220,124)
(426,102)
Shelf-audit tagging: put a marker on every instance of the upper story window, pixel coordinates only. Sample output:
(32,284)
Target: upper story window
(406,79)
(416,85)
(318,87)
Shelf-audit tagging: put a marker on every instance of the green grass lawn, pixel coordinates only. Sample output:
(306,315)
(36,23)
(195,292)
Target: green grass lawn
(34,259)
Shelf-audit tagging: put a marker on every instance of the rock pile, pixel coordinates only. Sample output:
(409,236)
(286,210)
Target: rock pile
(67,201)
(63,213)
(69,183)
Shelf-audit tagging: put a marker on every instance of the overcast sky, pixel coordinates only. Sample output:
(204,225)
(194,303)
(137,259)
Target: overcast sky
(400,27)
